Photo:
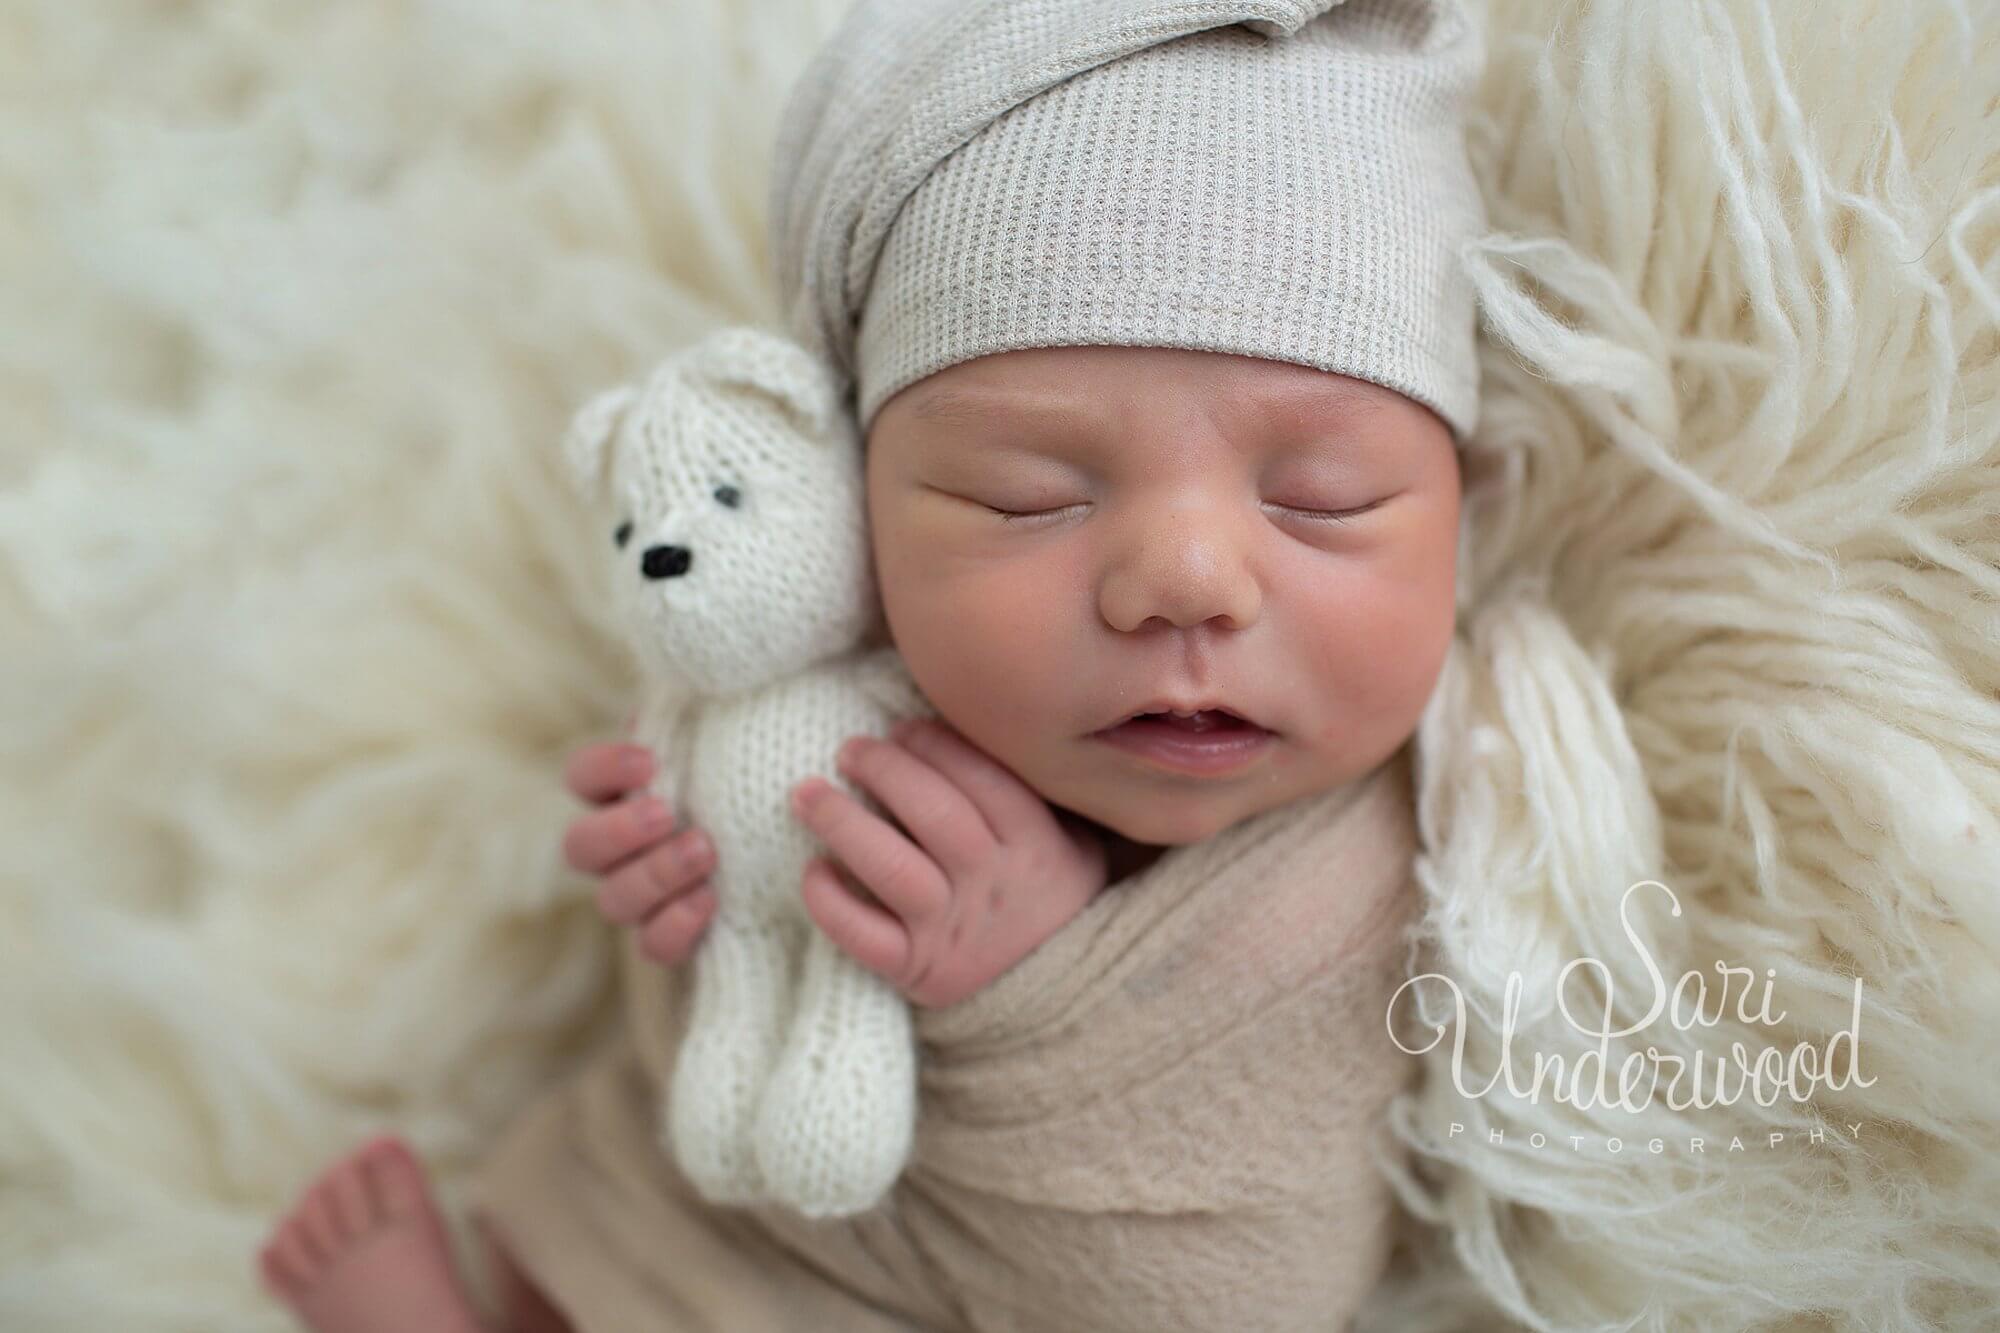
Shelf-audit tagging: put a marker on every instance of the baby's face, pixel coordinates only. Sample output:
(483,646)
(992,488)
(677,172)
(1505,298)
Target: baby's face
(1166,556)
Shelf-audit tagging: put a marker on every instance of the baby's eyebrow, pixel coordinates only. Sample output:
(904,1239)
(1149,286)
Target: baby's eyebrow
(1331,398)
(961,407)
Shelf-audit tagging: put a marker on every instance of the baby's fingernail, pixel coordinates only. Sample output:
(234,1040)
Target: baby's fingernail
(654,817)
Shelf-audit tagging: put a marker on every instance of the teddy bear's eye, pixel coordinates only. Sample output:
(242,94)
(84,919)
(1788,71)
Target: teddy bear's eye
(729,496)
(624,534)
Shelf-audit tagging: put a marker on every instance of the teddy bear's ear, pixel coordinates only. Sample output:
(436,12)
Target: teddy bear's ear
(588,439)
(752,358)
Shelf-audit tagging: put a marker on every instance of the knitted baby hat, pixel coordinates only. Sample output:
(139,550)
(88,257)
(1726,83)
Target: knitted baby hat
(1284,179)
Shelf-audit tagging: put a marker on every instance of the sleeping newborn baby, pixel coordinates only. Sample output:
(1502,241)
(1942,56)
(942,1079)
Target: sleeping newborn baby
(1152,319)
(1150,591)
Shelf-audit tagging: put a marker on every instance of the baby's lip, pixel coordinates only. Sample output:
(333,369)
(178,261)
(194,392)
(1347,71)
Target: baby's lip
(1168,704)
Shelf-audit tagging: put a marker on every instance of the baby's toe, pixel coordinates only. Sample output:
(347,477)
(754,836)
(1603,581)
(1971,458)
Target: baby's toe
(321,1223)
(276,1265)
(346,1191)
(299,1253)
(395,1179)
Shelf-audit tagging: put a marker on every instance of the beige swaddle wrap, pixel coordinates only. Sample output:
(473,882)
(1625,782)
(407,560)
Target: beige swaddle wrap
(1166,1118)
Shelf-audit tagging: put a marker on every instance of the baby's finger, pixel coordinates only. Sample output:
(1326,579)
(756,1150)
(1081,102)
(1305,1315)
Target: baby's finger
(640,886)
(895,870)
(1008,805)
(945,823)
(606,770)
(671,933)
(864,932)
(599,840)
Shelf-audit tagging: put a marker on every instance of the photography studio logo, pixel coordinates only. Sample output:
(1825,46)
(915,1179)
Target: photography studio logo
(1595,1077)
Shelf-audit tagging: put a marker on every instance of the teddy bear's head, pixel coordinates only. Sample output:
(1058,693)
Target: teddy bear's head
(731,484)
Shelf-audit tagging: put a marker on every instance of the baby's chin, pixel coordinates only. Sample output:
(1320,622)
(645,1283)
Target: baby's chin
(1140,817)
(1158,816)
(1149,808)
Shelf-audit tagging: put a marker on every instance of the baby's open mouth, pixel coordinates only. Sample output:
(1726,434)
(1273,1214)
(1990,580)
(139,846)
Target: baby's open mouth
(1212,741)
(1195,721)
(1208,719)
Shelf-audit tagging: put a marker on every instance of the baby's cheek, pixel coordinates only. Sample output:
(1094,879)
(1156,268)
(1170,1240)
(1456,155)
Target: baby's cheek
(1409,604)
(963,638)
(1374,656)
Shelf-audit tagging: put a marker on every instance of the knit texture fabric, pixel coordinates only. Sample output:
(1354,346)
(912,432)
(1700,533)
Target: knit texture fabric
(1283,179)
(735,521)
(1122,1134)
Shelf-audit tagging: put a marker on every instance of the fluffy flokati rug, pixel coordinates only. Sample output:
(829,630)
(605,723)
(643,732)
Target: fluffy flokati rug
(298,625)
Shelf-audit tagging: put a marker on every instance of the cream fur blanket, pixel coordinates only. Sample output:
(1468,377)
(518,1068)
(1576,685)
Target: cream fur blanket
(294,298)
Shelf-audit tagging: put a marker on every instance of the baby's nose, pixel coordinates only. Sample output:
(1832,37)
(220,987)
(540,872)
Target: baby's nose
(665,562)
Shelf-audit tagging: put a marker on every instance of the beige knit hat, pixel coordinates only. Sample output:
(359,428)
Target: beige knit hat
(1276,178)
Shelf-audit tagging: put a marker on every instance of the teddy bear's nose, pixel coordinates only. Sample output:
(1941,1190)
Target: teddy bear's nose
(665,562)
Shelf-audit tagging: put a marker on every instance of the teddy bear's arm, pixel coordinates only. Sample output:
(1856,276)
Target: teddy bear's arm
(883,676)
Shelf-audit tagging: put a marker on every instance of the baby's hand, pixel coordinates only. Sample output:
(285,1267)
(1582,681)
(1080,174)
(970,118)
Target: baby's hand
(654,879)
(985,872)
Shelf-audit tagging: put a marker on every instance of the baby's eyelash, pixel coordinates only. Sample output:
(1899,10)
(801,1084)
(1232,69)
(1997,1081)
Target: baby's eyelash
(1316,515)
(1328,515)
(1015,516)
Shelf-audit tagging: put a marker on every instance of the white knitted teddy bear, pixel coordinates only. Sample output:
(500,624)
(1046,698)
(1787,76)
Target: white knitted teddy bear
(734,483)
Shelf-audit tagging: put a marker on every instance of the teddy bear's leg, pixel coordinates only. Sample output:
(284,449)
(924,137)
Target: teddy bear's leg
(742,983)
(839,1113)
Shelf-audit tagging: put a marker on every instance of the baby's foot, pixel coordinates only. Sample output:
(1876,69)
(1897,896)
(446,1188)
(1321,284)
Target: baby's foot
(364,1251)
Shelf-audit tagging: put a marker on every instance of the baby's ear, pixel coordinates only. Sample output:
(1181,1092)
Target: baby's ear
(587,441)
(752,358)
